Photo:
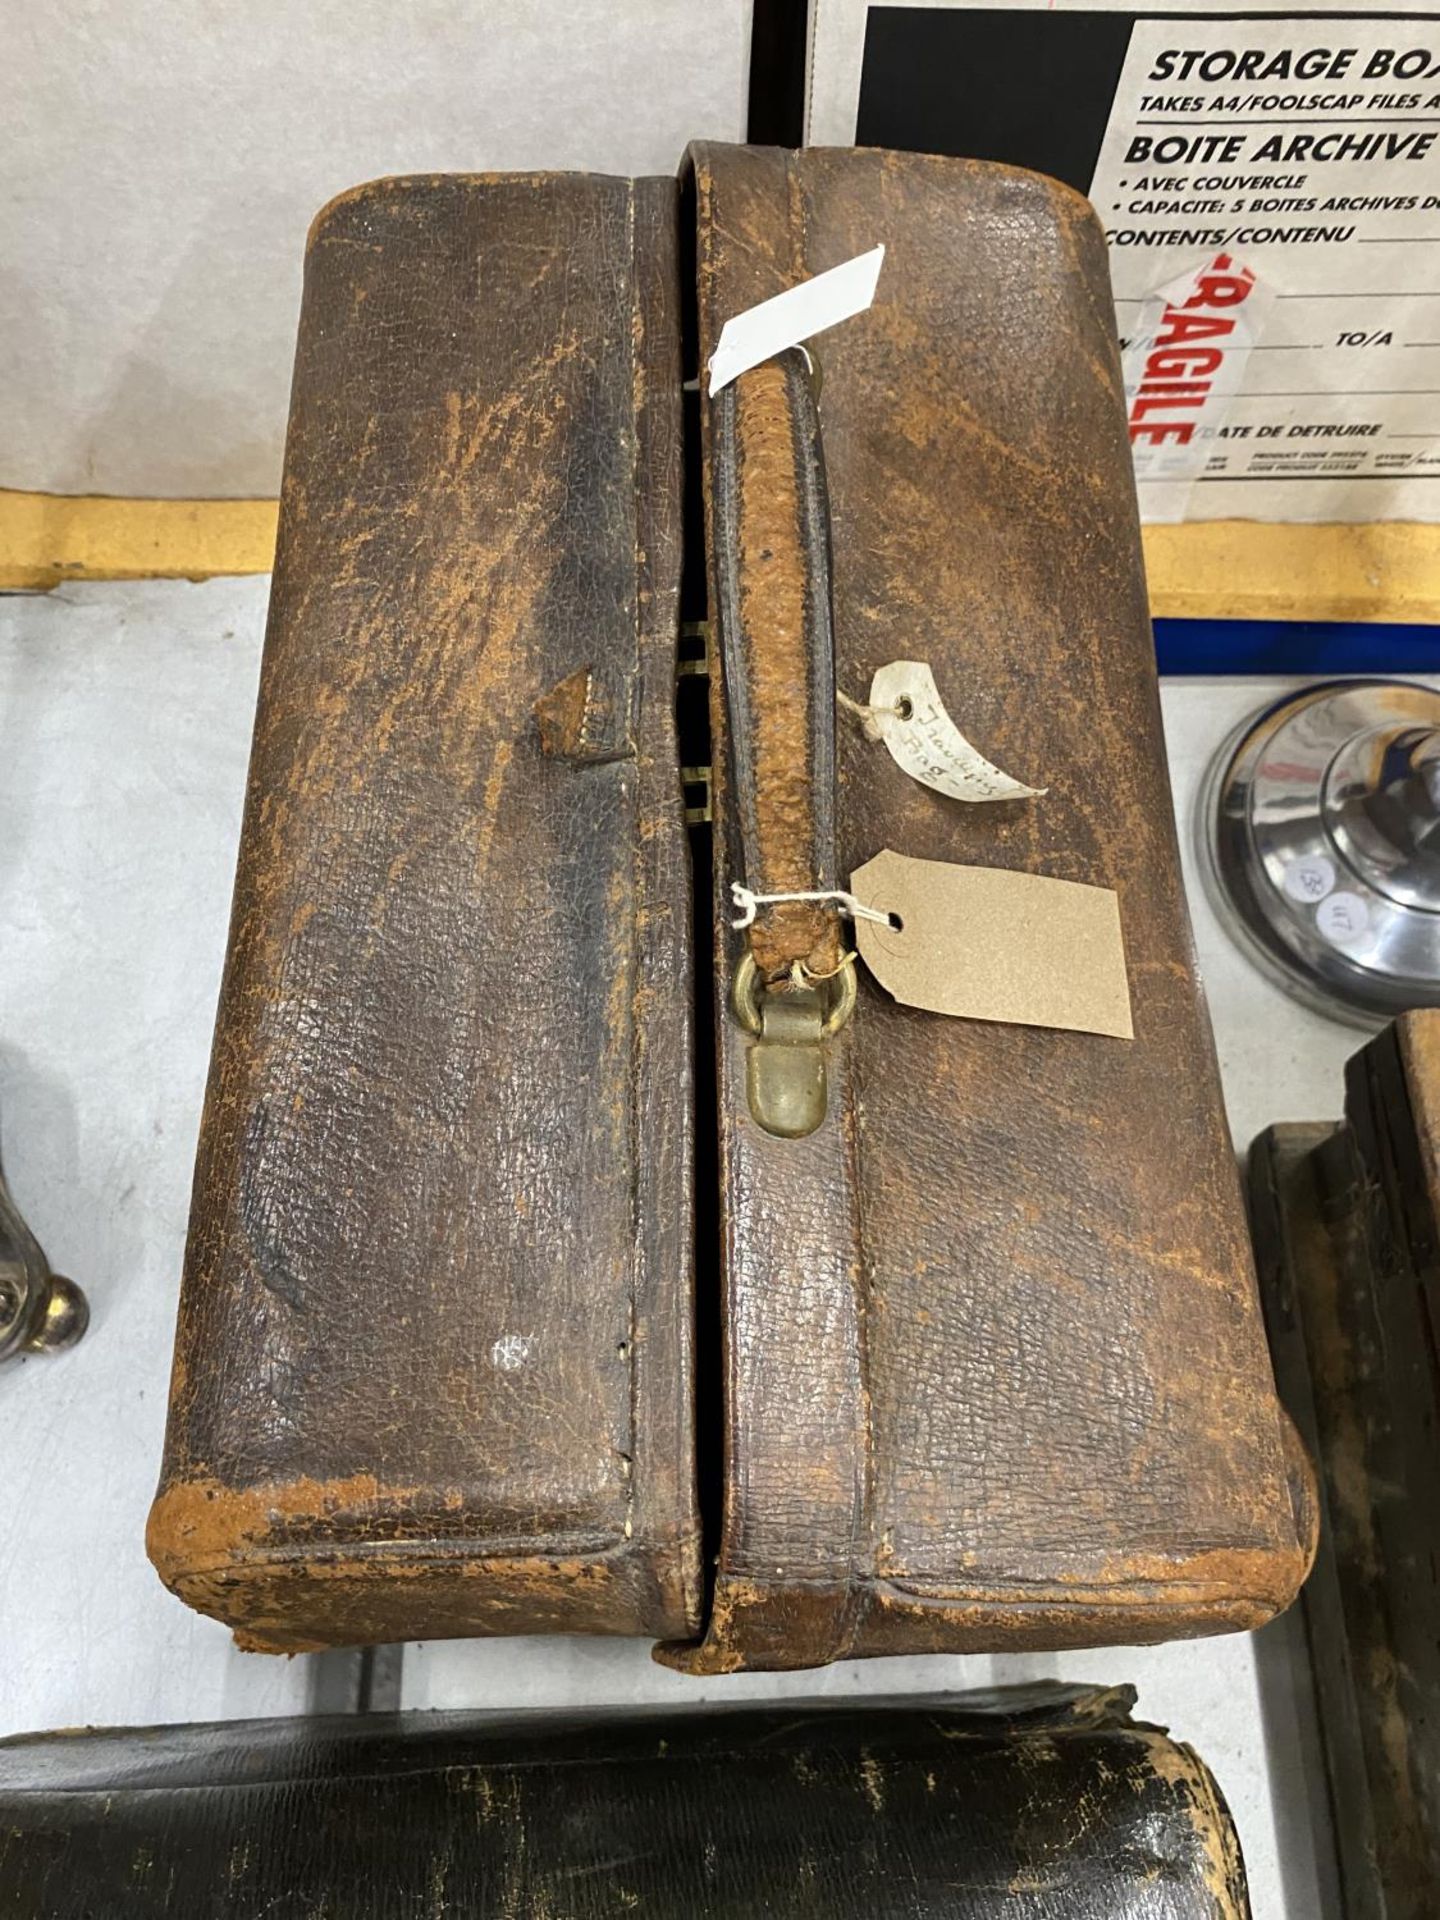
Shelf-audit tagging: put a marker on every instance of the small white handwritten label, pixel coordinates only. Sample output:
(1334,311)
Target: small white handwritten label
(1308,880)
(1342,918)
(907,712)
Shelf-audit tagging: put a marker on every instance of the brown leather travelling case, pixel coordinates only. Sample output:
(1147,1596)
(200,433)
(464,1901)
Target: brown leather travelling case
(518,1298)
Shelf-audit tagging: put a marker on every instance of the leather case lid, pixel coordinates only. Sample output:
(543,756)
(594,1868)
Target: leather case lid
(938,1808)
(433,1370)
(996,1371)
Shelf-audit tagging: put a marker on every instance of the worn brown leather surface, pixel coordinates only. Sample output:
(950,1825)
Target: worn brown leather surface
(1018,1394)
(991,1368)
(433,1372)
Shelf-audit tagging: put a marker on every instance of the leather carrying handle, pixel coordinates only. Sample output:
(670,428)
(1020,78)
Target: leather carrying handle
(772,543)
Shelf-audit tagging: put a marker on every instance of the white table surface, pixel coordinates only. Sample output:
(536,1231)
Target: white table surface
(125,713)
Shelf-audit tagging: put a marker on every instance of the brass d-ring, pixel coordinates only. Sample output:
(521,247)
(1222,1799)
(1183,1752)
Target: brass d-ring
(846,994)
(744,997)
(742,994)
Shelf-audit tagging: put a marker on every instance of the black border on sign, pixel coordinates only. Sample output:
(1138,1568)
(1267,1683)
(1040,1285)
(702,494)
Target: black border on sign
(779,38)
(942,79)
(1027,87)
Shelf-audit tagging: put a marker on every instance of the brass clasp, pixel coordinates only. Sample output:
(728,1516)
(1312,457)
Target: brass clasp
(785,1077)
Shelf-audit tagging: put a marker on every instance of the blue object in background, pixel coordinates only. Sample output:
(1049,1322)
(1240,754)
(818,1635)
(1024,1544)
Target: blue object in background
(1294,647)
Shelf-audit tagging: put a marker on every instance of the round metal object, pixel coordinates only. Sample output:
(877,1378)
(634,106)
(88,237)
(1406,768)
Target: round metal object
(40,1312)
(63,1318)
(744,996)
(1319,831)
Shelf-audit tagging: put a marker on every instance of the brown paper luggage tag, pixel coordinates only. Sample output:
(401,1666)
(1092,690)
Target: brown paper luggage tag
(984,943)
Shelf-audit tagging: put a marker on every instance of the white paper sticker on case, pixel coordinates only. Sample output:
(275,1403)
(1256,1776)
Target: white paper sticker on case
(798,314)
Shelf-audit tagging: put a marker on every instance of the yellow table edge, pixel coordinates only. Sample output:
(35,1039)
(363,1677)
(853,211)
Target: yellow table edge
(49,538)
(1222,569)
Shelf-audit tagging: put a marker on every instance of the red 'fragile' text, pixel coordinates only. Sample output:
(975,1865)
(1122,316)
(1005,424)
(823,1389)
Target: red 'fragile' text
(1188,351)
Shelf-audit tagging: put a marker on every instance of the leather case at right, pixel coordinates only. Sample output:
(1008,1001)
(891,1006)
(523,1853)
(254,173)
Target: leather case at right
(995,1374)
(1347,1236)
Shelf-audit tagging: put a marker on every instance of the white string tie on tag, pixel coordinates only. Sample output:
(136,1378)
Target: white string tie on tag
(750,903)
(870,718)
